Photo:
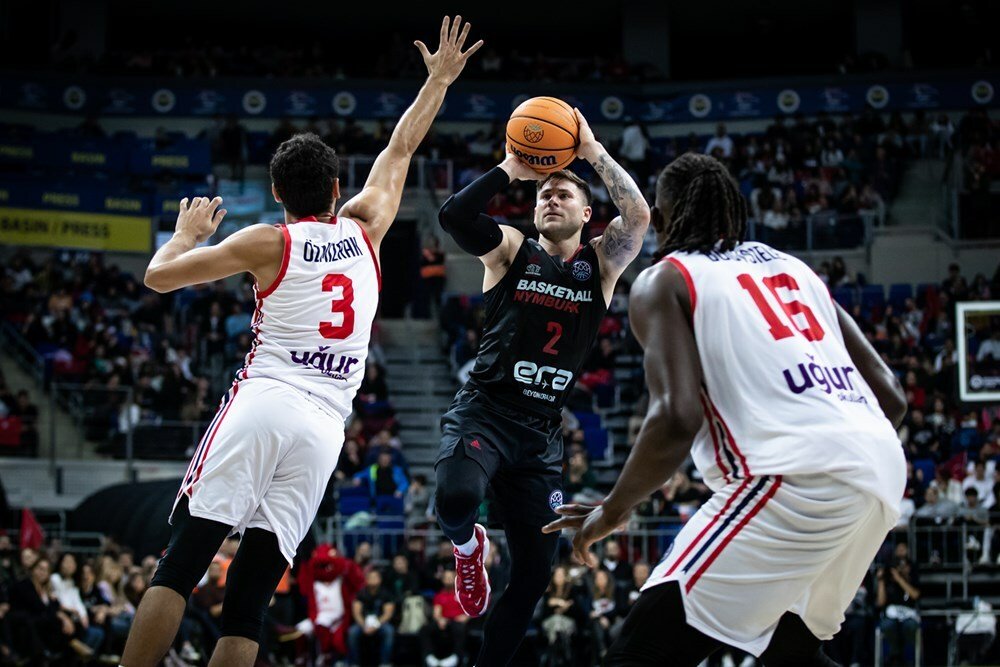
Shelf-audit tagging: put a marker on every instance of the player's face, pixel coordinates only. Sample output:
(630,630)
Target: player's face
(560,210)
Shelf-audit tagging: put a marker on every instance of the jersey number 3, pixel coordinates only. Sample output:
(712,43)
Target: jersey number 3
(341,305)
(812,331)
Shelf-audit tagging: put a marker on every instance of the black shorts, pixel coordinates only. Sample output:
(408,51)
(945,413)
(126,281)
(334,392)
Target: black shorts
(522,455)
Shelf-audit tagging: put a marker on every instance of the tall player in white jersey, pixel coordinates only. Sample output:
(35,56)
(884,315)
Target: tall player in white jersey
(788,413)
(264,462)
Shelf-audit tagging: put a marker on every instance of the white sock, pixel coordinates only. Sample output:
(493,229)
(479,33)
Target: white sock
(469,547)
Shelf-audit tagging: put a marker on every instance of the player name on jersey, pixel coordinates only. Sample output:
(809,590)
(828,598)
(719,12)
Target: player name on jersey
(331,252)
(750,254)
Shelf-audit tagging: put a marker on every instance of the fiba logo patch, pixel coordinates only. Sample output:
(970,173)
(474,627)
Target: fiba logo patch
(555,499)
(582,270)
(533,133)
(533,270)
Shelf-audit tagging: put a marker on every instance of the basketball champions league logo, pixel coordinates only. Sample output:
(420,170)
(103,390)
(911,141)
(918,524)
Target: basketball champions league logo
(533,133)
(555,499)
(582,270)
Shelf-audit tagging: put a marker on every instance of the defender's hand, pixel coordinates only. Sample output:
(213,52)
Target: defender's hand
(200,219)
(591,524)
(447,62)
(590,148)
(518,170)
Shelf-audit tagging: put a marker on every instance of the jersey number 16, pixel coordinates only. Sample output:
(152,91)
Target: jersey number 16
(812,331)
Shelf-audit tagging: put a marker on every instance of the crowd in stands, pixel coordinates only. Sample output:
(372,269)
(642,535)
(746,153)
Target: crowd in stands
(320,59)
(18,422)
(140,357)
(980,152)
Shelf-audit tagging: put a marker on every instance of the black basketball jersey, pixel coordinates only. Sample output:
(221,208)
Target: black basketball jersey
(541,320)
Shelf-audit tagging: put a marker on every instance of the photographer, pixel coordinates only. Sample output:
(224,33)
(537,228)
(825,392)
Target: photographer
(897,599)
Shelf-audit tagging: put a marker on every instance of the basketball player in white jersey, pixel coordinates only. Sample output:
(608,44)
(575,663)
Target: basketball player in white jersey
(264,462)
(788,413)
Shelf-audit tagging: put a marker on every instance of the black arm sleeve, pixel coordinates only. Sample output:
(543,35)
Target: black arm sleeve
(462,214)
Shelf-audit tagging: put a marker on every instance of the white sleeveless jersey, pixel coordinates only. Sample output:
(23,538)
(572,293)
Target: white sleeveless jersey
(312,326)
(781,393)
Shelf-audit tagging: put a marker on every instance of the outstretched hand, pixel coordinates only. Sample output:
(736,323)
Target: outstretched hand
(591,524)
(200,218)
(447,62)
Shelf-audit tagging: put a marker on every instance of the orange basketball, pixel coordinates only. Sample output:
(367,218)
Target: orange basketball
(544,134)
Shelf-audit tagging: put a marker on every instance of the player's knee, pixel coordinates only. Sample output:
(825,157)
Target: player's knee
(240,620)
(177,573)
(456,502)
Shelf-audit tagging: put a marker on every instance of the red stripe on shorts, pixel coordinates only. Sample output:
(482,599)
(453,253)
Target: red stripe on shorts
(708,526)
(729,538)
(208,445)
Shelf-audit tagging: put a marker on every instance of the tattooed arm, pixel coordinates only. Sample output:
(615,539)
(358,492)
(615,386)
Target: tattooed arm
(622,240)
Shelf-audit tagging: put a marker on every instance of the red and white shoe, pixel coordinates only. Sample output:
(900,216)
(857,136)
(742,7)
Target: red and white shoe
(472,584)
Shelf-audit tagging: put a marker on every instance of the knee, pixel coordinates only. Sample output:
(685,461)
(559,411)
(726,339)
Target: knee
(457,501)
(178,574)
(245,621)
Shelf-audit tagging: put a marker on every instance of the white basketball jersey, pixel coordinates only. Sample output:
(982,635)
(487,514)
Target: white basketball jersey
(313,324)
(781,393)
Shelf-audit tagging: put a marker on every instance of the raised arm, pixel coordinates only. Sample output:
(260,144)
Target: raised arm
(659,310)
(179,263)
(622,240)
(879,377)
(477,233)
(376,205)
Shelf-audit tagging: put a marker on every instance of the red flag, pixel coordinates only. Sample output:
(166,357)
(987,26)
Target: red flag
(32,535)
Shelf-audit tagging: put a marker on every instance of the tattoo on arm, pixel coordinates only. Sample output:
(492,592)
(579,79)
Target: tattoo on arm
(623,236)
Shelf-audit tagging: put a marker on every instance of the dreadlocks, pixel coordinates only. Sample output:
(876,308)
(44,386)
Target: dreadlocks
(708,212)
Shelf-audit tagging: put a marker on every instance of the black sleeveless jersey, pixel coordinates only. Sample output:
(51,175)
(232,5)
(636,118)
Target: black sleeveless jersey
(541,321)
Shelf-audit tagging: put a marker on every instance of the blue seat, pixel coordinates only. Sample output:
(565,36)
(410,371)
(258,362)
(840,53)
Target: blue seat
(927,467)
(588,419)
(845,297)
(347,490)
(872,298)
(898,294)
(597,442)
(388,506)
(353,504)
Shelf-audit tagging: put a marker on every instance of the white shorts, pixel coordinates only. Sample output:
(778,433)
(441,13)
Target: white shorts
(764,546)
(264,461)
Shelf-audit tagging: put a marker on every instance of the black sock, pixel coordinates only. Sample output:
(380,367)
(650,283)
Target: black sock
(531,553)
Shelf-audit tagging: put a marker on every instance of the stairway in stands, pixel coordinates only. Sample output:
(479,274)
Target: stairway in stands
(421,388)
(919,202)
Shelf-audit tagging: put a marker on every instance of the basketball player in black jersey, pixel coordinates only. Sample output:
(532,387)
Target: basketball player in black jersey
(544,301)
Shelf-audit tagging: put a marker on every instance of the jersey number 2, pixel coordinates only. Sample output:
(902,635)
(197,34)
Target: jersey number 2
(341,305)
(812,332)
(556,329)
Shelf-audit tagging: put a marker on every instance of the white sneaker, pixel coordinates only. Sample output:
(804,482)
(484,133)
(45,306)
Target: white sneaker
(450,661)
(727,661)
(431,661)
(748,661)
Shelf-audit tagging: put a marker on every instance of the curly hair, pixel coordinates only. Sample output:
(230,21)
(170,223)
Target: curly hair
(303,171)
(708,212)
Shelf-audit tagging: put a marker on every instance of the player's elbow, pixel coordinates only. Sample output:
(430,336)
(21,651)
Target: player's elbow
(894,403)
(447,215)
(682,417)
(156,280)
